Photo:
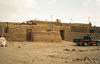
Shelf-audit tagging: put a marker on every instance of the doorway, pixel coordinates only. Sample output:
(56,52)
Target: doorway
(29,34)
(0,31)
(62,33)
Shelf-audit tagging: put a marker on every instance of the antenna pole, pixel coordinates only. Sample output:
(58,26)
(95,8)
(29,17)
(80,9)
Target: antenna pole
(51,17)
(88,19)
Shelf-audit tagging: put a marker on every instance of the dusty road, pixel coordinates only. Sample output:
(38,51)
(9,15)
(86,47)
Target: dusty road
(48,53)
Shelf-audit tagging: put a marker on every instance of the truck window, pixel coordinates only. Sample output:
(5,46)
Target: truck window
(87,37)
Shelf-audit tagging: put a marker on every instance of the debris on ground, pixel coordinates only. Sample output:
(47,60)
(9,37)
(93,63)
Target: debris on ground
(19,46)
(81,50)
(66,49)
(73,50)
(87,59)
(90,59)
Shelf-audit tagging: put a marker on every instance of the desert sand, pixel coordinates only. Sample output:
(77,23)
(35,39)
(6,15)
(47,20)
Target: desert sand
(49,53)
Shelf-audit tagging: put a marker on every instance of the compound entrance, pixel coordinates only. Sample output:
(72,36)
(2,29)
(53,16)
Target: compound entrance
(29,34)
(62,33)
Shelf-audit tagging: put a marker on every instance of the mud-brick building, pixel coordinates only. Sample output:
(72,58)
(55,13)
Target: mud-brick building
(43,31)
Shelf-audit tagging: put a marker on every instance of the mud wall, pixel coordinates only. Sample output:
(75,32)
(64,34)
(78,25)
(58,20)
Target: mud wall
(39,33)
(2,25)
(96,36)
(75,35)
(79,29)
(46,37)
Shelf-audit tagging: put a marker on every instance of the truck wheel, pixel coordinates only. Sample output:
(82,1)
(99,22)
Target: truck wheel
(97,43)
(85,44)
(78,44)
(91,44)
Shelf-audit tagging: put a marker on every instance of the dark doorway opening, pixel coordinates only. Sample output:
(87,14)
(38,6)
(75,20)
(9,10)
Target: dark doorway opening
(0,31)
(62,33)
(29,34)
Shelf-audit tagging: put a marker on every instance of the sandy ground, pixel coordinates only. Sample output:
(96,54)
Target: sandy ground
(49,53)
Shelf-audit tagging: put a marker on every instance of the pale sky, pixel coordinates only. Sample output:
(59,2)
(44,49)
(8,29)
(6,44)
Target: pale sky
(75,11)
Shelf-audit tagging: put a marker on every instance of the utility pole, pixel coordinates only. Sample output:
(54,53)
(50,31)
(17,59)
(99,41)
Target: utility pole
(70,21)
(88,30)
(51,17)
(88,19)
(51,22)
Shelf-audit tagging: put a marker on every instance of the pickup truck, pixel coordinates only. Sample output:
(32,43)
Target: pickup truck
(87,40)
